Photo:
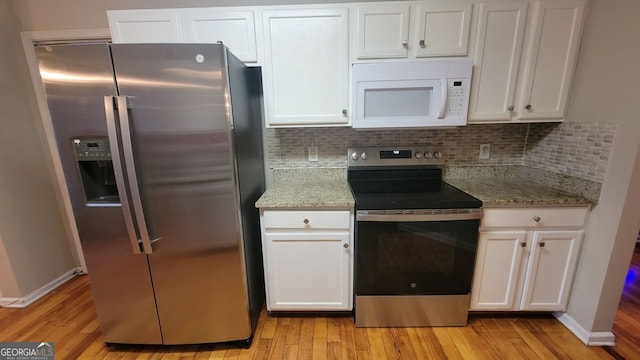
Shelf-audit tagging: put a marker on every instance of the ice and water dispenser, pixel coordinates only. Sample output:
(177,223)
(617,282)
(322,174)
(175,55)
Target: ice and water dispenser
(93,156)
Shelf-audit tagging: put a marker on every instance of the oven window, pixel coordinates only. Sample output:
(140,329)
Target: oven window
(427,258)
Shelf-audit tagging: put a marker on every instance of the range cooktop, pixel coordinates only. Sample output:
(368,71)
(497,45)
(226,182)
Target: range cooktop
(401,179)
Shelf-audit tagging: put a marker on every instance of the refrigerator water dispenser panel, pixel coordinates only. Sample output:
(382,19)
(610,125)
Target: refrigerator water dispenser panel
(96,170)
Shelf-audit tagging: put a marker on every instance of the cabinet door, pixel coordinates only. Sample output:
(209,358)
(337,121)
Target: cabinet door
(306,67)
(497,270)
(145,26)
(496,61)
(443,29)
(550,270)
(382,31)
(234,28)
(308,271)
(551,59)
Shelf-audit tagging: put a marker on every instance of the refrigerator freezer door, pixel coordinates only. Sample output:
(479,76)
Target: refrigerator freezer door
(76,79)
(179,114)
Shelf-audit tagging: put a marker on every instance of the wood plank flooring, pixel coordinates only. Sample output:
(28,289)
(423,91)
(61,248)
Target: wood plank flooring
(67,317)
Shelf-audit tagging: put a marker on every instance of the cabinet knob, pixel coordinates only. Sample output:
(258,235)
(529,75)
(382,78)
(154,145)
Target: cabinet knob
(523,244)
(422,43)
(541,244)
(405,44)
(510,108)
(344,112)
(306,221)
(345,245)
(528,107)
(537,218)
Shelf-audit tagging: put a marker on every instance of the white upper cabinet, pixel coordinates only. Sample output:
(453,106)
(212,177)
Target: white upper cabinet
(518,78)
(551,59)
(496,60)
(412,30)
(382,31)
(443,29)
(234,28)
(145,26)
(306,66)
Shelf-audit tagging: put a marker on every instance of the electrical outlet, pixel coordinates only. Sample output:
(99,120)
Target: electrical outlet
(485,151)
(313,153)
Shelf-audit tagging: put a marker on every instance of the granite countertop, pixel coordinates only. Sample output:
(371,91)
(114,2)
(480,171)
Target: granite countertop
(521,186)
(308,188)
(496,192)
(496,186)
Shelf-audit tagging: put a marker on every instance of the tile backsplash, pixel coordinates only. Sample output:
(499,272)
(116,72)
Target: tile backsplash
(571,148)
(579,149)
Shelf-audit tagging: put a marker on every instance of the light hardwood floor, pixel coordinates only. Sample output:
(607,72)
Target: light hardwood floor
(67,317)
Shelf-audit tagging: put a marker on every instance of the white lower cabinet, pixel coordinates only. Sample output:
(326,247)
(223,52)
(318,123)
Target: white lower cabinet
(531,268)
(308,260)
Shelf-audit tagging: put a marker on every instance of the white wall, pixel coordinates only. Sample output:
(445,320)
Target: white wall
(606,89)
(35,245)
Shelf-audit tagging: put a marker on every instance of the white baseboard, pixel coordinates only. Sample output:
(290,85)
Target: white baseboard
(603,338)
(25,301)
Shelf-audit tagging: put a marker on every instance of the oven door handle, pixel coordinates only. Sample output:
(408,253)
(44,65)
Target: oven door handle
(367,216)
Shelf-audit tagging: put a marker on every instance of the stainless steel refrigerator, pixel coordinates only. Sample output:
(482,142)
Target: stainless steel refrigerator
(162,155)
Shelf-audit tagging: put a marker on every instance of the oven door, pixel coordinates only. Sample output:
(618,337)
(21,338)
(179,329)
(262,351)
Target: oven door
(410,254)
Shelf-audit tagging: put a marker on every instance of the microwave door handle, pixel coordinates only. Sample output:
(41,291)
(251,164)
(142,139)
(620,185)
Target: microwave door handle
(136,200)
(119,173)
(443,103)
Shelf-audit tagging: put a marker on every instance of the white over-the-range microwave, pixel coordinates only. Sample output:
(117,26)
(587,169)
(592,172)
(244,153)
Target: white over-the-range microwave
(411,94)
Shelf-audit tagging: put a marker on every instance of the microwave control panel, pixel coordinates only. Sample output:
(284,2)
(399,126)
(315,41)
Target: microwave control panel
(456,97)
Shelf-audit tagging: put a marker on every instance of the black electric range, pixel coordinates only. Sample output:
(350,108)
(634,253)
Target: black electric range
(406,178)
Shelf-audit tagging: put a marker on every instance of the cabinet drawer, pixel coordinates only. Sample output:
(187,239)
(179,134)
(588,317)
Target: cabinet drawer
(284,219)
(526,217)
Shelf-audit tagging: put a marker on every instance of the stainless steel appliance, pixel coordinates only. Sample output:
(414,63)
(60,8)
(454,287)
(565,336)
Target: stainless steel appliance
(415,239)
(161,150)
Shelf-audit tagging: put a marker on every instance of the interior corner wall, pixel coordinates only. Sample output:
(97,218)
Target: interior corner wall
(33,232)
(606,89)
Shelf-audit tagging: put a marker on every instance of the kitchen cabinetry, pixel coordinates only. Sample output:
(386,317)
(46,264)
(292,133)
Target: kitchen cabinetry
(232,26)
(308,259)
(443,29)
(527,258)
(440,29)
(145,26)
(529,82)
(382,31)
(306,66)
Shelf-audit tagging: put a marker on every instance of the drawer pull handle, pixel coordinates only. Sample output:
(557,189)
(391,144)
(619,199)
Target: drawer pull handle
(536,218)
(306,221)
(523,244)
(542,244)
(345,245)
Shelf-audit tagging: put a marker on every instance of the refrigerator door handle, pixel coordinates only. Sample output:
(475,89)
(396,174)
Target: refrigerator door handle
(136,200)
(119,173)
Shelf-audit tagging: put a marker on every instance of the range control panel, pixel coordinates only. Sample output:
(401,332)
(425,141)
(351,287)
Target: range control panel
(386,156)
(94,148)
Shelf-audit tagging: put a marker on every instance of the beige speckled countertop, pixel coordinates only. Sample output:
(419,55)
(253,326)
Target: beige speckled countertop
(496,186)
(497,192)
(308,188)
(520,186)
